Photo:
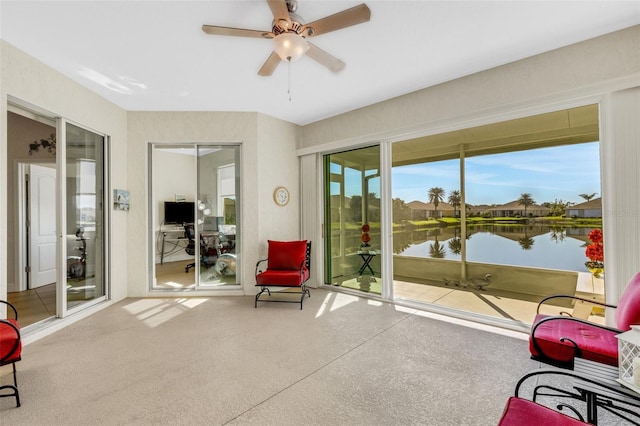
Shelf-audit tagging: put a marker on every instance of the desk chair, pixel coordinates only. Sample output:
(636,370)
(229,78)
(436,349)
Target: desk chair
(209,247)
(190,233)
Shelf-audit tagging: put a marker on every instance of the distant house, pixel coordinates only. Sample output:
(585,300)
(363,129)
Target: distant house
(513,208)
(477,210)
(418,210)
(592,208)
(424,211)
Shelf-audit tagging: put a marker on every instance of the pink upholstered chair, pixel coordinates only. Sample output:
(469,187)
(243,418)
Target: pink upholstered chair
(10,349)
(287,265)
(521,412)
(543,395)
(557,340)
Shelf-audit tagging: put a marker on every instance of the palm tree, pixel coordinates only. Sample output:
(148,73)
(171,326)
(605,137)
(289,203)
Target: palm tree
(525,200)
(455,199)
(526,242)
(437,250)
(588,197)
(435,195)
(455,245)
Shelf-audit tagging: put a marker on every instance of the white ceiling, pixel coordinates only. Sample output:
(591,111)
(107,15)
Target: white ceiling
(153,56)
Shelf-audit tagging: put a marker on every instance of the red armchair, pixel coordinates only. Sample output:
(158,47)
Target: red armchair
(10,349)
(557,340)
(287,265)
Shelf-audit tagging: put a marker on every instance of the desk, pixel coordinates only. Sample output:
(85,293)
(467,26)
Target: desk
(619,401)
(367,256)
(171,234)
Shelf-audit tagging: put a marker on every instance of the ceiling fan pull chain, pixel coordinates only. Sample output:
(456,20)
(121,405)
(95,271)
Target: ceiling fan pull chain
(289,78)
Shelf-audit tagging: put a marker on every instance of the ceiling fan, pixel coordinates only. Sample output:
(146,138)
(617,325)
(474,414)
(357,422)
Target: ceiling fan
(290,34)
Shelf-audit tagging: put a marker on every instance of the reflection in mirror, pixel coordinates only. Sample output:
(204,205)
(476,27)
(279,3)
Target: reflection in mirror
(85,216)
(194,215)
(217,183)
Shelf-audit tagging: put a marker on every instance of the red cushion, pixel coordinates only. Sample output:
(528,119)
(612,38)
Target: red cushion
(628,311)
(282,278)
(286,254)
(8,338)
(521,412)
(596,344)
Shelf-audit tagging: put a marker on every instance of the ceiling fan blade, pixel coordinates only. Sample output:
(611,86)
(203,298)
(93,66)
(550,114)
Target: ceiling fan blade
(270,65)
(346,18)
(236,32)
(325,59)
(280,12)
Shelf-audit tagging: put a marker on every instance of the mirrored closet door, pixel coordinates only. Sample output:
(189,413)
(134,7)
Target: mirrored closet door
(194,214)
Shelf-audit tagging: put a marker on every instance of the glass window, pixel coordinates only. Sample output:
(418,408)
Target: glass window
(492,219)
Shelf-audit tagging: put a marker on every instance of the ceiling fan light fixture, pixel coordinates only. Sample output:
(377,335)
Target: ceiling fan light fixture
(290,46)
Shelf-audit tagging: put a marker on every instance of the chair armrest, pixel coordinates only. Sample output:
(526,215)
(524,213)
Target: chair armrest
(258,270)
(15,311)
(567,296)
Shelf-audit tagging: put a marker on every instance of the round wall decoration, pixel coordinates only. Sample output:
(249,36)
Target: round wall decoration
(281,196)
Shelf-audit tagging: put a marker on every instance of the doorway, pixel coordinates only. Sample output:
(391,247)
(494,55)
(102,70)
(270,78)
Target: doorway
(55,238)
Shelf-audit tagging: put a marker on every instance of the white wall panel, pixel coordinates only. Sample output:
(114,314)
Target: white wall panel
(620,145)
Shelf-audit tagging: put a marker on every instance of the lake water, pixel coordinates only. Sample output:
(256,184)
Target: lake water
(536,246)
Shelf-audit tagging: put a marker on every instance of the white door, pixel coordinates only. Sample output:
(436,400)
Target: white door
(42,230)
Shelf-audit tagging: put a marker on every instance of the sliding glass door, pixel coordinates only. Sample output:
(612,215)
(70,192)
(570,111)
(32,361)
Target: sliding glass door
(195,212)
(352,209)
(83,214)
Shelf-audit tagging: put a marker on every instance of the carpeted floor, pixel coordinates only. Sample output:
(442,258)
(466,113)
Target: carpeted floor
(342,360)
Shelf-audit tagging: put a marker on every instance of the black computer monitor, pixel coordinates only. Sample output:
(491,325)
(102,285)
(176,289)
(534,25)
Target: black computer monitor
(179,213)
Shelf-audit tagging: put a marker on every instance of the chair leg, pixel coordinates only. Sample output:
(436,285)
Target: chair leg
(306,291)
(13,387)
(258,295)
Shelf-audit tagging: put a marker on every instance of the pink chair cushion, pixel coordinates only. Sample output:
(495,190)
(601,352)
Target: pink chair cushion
(596,344)
(8,339)
(628,311)
(283,278)
(521,412)
(286,254)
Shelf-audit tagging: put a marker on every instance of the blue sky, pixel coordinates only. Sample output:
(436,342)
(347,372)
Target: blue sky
(548,174)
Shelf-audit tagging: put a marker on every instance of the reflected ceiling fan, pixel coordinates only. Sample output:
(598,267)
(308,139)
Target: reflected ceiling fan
(290,34)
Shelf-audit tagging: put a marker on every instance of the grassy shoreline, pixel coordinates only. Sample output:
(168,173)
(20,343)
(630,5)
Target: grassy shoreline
(503,221)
